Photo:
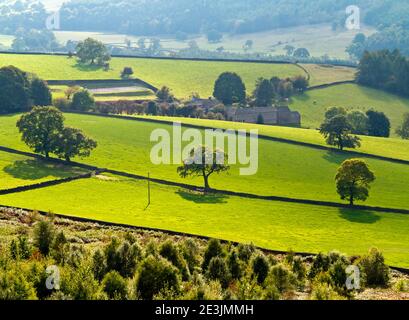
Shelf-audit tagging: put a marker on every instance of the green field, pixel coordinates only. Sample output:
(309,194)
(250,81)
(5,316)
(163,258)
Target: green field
(273,225)
(312,104)
(323,74)
(17,171)
(125,145)
(183,77)
(387,147)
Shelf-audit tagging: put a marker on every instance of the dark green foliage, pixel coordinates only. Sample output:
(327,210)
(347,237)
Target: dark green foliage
(374,268)
(337,132)
(335,111)
(229,88)
(99,265)
(93,52)
(403,130)
(82,101)
(301,53)
(378,124)
(245,251)
(40,92)
(44,236)
(234,265)
(14,286)
(263,93)
(165,95)
(191,253)
(40,127)
(155,275)
(214,249)
(260,268)
(127,72)
(299,268)
(170,252)
(59,248)
(71,142)
(20,248)
(218,270)
(115,286)
(152,108)
(282,278)
(321,263)
(122,257)
(15,90)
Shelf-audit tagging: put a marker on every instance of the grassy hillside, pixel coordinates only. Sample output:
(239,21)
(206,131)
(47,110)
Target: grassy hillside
(267,224)
(387,147)
(322,74)
(16,171)
(125,145)
(312,104)
(183,77)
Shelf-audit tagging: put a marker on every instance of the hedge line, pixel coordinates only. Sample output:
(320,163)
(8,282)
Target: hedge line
(81,83)
(332,84)
(264,137)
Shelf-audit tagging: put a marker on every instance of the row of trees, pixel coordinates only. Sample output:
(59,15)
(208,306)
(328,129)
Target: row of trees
(229,88)
(386,70)
(43,130)
(20,91)
(340,128)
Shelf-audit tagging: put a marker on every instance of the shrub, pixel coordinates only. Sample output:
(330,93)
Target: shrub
(126,72)
(218,270)
(260,268)
(321,263)
(82,101)
(190,252)
(43,236)
(234,264)
(323,291)
(122,257)
(14,286)
(299,268)
(214,249)
(98,265)
(282,278)
(115,286)
(172,254)
(374,268)
(155,275)
(245,251)
(59,248)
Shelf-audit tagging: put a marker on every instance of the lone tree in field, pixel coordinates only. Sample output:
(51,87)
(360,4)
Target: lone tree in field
(203,162)
(353,180)
(403,130)
(39,128)
(229,88)
(72,142)
(126,73)
(82,100)
(337,132)
(92,51)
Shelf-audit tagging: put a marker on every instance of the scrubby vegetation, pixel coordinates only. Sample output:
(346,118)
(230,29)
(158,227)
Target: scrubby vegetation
(57,259)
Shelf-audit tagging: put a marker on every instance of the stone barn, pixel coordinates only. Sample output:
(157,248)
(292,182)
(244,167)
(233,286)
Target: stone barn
(271,115)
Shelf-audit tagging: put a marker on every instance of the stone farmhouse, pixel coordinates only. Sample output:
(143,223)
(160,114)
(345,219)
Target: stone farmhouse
(271,115)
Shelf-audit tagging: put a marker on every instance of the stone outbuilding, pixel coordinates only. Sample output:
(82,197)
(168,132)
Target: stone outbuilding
(270,115)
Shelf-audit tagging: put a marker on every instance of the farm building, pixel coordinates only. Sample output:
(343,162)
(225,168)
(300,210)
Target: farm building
(270,115)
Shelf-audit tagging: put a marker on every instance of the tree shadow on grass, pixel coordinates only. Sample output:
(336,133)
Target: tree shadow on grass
(335,157)
(84,67)
(35,170)
(198,197)
(359,216)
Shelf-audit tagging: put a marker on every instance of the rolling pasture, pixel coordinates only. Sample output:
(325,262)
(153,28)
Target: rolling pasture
(17,171)
(125,146)
(273,225)
(183,77)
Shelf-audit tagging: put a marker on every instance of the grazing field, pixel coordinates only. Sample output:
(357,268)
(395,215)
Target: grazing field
(323,74)
(387,147)
(319,39)
(183,77)
(313,104)
(17,171)
(273,225)
(125,145)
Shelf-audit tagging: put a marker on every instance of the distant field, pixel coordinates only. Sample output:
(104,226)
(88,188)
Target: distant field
(318,39)
(273,225)
(17,171)
(183,77)
(322,74)
(312,104)
(284,169)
